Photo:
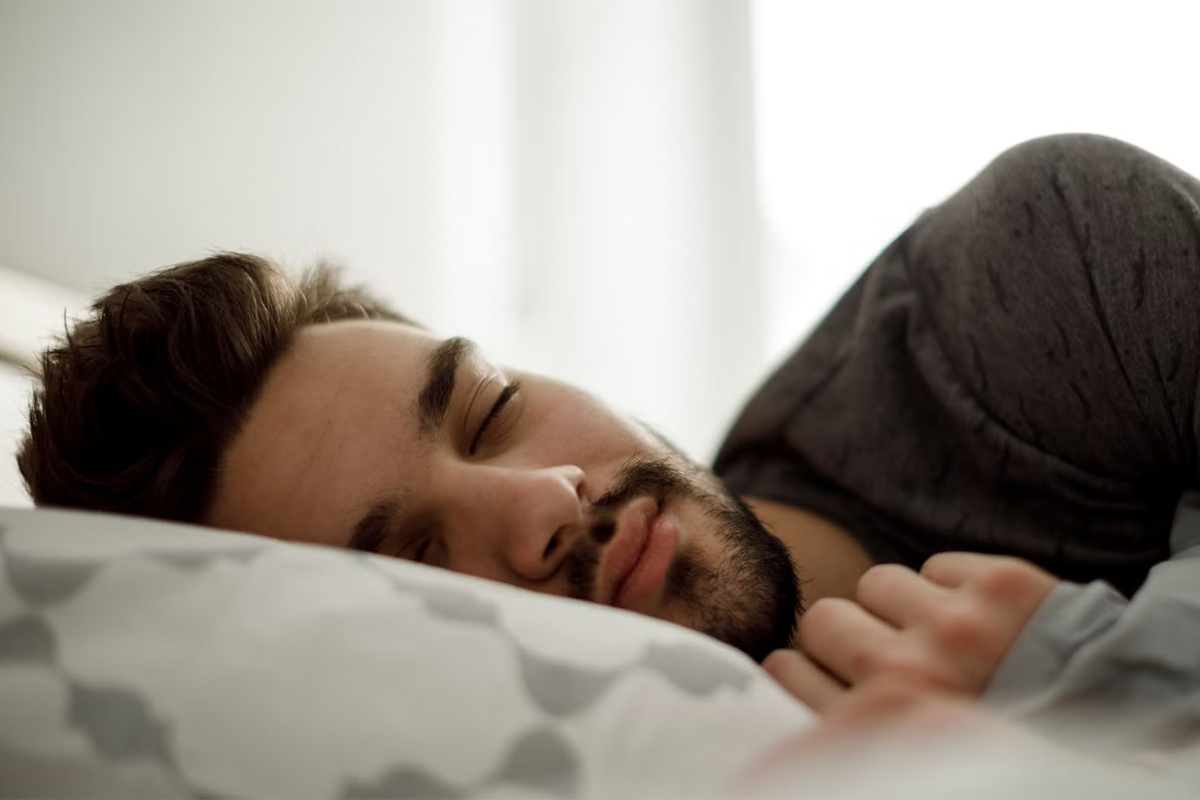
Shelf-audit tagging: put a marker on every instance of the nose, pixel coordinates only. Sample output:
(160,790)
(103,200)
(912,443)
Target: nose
(526,518)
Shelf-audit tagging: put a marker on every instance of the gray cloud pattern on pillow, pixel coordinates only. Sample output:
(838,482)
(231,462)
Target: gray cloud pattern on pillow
(41,582)
(31,775)
(27,640)
(541,759)
(131,738)
(562,688)
(200,559)
(119,725)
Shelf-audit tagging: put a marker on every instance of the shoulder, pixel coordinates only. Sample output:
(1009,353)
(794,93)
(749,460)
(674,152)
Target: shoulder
(1061,284)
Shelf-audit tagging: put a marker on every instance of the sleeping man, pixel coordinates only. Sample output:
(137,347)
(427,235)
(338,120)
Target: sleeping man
(1014,376)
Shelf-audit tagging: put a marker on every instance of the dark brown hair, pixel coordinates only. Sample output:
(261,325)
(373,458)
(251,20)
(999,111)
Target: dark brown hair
(138,401)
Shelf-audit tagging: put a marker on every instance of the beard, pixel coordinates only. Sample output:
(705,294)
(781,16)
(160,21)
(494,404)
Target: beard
(748,599)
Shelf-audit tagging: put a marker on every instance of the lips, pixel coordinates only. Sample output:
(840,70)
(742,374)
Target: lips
(635,562)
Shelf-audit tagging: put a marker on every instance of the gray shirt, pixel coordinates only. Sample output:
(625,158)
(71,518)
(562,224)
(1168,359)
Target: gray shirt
(1017,373)
(1110,673)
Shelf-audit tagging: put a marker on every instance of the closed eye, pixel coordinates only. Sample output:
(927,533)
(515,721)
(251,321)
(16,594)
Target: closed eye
(422,551)
(497,408)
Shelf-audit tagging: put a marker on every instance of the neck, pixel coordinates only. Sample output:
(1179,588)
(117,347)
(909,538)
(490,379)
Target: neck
(828,560)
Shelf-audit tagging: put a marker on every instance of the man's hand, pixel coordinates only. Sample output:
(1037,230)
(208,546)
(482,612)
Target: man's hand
(947,628)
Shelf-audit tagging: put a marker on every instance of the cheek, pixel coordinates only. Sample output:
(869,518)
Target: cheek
(574,429)
(583,441)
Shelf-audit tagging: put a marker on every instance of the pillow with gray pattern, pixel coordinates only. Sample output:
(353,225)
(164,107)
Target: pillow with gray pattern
(141,658)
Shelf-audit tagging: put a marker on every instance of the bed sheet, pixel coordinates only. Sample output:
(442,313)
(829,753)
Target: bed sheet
(14,403)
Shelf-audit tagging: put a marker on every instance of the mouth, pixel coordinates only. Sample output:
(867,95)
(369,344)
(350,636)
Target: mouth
(636,561)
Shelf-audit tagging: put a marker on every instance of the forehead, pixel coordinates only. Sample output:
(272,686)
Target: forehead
(338,404)
(355,344)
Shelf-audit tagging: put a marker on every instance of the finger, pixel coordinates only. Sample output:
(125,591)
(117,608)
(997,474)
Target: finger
(952,570)
(875,726)
(807,682)
(896,594)
(877,700)
(846,639)
(866,722)
(887,700)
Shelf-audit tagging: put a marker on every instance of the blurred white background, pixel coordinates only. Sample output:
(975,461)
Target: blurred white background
(869,112)
(652,198)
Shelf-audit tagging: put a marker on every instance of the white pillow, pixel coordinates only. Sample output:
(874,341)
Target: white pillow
(15,386)
(140,658)
(32,313)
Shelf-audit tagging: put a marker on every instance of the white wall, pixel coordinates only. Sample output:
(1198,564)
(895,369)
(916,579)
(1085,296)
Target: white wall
(576,184)
(139,134)
(869,112)
(571,183)
(14,387)
(30,312)
(639,220)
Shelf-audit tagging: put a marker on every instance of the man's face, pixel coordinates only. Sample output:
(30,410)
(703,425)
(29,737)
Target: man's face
(382,437)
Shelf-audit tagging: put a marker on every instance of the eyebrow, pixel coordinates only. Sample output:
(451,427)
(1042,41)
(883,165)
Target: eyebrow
(440,371)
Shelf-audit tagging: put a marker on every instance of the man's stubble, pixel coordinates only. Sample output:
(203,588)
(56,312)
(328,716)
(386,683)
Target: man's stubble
(749,598)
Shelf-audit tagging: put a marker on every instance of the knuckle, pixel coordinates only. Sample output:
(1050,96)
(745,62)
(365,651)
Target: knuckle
(905,665)
(932,562)
(1009,579)
(877,579)
(890,693)
(779,661)
(959,628)
(819,617)
(864,662)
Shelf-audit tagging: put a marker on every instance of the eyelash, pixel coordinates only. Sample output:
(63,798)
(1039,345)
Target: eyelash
(506,395)
(421,551)
(501,402)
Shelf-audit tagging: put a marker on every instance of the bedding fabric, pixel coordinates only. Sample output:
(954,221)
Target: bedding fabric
(14,406)
(1112,675)
(140,658)
(1016,374)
